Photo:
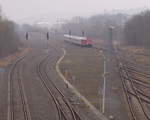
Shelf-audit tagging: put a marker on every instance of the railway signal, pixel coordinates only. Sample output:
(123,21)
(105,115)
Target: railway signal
(69,32)
(27,36)
(83,33)
(47,35)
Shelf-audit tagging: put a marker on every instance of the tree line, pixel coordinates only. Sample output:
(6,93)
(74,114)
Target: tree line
(137,30)
(129,29)
(97,26)
(9,38)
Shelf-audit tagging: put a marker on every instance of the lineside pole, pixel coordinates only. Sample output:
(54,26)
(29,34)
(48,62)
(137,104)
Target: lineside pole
(104,86)
(47,36)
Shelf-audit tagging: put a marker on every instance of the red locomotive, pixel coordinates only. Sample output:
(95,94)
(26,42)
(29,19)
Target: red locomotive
(82,41)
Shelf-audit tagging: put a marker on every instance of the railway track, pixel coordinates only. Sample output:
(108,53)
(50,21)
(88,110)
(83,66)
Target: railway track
(135,65)
(136,98)
(138,82)
(15,88)
(137,71)
(135,101)
(65,110)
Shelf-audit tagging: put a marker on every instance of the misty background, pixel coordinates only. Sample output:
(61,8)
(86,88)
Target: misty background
(131,20)
(52,11)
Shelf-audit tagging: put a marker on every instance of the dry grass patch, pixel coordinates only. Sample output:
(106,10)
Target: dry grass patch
(83,67)
(9,59)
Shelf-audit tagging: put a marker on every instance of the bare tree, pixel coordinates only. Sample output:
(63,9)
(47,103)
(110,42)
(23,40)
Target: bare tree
(96,26)
(9,39)
(137,30)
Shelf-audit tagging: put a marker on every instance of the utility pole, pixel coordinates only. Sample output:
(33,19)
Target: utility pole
(27,36)
(108,71)
(111,29)
(69,32)
(83,33)
(104,85)
(47,36)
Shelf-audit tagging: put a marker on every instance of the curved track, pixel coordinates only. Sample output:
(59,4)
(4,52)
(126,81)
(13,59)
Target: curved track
(16,81)
(64,108)
(136,98)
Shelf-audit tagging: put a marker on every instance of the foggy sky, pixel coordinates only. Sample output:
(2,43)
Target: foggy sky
(34,10)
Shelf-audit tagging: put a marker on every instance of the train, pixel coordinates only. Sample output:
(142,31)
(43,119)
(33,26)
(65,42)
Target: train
(81,41)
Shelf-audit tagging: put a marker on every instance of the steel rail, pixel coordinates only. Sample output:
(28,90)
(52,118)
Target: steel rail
(136,93)
(142,98)
(139,82)
(73,112)
(11,110)
(61,112)
(133,64)
(137,72)
(139,99)
(126,93)
(125,86)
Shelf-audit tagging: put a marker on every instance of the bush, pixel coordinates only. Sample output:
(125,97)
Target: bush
(9,39)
